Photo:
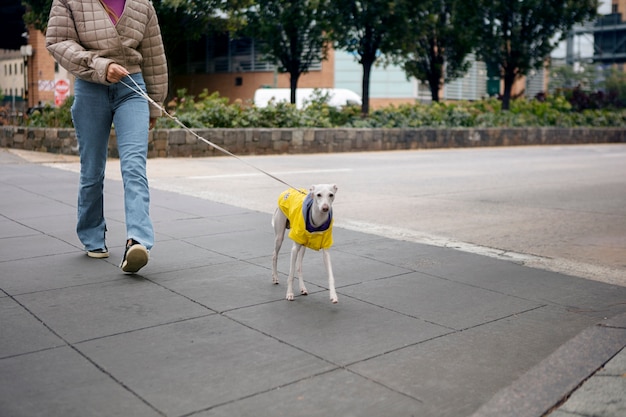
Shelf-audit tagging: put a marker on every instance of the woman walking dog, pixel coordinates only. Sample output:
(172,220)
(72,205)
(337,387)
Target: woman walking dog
(102,42)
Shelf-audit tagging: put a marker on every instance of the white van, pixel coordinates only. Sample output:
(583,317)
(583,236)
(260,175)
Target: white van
(338,97)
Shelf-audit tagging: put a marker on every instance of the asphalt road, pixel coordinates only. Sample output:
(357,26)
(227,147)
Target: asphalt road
(560,208)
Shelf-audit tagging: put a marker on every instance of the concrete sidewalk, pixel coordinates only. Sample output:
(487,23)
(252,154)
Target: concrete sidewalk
(419,330)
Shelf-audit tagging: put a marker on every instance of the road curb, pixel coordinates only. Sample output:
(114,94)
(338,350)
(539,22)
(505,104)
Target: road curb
(556,377)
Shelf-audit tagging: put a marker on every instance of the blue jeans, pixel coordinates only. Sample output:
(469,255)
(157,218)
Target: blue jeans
(96,107)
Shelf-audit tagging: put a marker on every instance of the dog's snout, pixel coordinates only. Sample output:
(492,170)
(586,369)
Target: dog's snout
(325,208)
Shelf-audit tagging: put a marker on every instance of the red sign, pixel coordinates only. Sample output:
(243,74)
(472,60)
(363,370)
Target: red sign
(61,91)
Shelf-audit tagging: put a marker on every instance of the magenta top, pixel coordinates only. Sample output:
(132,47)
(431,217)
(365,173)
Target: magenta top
(117,6)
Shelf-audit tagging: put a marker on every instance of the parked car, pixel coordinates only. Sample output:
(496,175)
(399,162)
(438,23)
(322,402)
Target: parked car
(337,97)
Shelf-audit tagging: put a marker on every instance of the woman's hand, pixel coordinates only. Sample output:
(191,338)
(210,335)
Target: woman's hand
(115,73)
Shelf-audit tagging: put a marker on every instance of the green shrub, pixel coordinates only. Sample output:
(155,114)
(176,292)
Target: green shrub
(212,111)
(50,116)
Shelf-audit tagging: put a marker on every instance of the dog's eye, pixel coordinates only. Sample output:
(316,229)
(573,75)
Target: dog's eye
(331,195)
(319,195)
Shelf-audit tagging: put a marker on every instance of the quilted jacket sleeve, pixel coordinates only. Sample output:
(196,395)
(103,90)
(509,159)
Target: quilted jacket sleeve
(154,65)
(62,41)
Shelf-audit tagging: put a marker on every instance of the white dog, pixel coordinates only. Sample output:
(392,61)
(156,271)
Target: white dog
(310,218)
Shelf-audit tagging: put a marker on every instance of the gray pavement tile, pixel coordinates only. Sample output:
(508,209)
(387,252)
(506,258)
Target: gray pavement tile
(341,333)
(198,226)
(197,364)
(192,205)
(18,197)
(599,396)
(347,240)
(161,215)
(560,413)
(64,189)
(616,366)
(337,393)
(251,220)
(62,226)
(97,310)
(25,247)
(588,297)
(38,177)
(446,303)
(348,269)
(618,321)
(21,332)
(242,245)
(61,382)
(409,255)
(178,255)
(35,206)
(557,375)
(226,286)
(457,373)
(55,271)
(9,228)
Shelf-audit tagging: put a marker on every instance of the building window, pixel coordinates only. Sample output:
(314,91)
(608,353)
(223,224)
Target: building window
(219,53)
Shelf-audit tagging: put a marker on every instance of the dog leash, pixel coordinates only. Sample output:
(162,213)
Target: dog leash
(139,91)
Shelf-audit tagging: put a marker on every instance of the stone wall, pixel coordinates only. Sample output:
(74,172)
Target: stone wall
(180,143)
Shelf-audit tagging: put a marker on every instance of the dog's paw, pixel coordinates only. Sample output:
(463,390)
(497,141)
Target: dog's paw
(303,291)
(334,299)
(289,297)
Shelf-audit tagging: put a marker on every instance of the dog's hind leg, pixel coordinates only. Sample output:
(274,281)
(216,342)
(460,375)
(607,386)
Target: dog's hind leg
(279,222)
(331,277)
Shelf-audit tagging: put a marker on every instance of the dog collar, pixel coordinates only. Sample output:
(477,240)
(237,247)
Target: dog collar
(307,205)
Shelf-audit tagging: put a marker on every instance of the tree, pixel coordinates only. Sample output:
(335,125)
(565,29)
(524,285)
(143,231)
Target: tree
(180,20)
(188,20)
(518,35)
(37,12)
(364,28)
(293,33)
(437,38)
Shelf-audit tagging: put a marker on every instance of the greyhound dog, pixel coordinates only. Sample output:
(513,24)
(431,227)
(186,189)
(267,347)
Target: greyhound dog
(310,218)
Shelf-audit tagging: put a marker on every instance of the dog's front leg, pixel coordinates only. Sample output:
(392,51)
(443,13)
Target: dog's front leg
(295,250)
(331,277)
(301,251)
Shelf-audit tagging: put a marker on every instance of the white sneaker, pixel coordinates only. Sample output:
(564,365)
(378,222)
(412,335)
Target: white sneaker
(98,253)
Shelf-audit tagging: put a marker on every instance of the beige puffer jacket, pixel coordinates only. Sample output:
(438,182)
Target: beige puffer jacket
(83,40)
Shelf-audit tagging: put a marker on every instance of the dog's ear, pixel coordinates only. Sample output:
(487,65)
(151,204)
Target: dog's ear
(334,188)
(312,189)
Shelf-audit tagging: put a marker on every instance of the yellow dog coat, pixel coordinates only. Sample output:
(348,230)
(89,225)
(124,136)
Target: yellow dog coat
(296,206)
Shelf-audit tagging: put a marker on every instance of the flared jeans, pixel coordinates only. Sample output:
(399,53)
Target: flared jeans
(95,110)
